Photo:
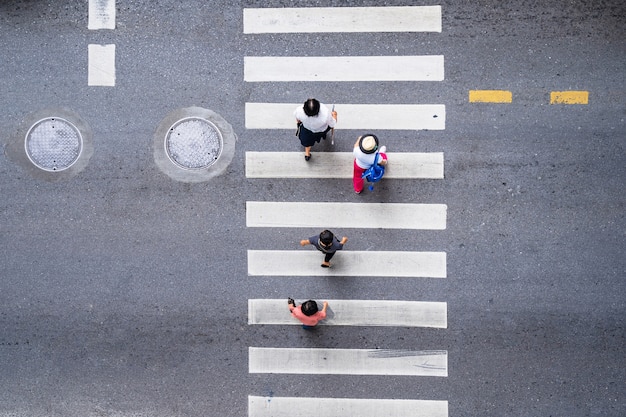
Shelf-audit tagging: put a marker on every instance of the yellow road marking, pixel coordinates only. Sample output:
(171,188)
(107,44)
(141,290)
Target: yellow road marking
(490,96)
(569,97)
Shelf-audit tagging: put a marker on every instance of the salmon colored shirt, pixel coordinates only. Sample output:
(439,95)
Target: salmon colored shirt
(307,320)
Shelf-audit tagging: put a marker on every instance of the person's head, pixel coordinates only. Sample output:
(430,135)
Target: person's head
(368,143)
(309,308)
(311,107)
(326,238)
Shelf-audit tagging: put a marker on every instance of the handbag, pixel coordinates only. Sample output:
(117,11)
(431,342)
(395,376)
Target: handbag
(374,173)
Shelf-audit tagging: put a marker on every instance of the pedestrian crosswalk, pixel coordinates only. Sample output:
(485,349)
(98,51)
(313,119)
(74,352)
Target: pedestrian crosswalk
(406,165)
(348,263)
(353,116)
(344,407)
(430,314)
(346,215)
(343,68)
(417,266)
(342,19)
(347,361)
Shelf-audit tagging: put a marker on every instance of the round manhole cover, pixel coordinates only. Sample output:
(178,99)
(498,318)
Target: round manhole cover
(193,143)
(53,144)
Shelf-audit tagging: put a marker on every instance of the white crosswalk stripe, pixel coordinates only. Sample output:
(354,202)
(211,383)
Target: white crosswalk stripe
(348,264)
(356,313)
(352,116)
(405,165)
(343,68)
(346,215)
(342,19)
(344,407)
(347,361)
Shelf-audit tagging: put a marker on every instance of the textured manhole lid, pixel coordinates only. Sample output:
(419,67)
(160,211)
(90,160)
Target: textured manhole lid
(53,144)
(193,143)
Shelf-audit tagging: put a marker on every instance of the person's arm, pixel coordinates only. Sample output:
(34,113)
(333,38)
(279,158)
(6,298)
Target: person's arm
(356,144)
(291,303)
(325,306)
(295,114)
(343,240)
(305,242)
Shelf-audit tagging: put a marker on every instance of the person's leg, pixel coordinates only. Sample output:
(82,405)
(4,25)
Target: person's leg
(307,139)
(357,180)
(327,258)
(325,132)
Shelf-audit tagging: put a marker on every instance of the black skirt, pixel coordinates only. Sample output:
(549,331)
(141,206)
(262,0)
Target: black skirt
(308,138)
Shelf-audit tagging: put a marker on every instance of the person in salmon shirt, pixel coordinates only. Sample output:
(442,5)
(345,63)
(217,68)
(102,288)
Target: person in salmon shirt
(308,312)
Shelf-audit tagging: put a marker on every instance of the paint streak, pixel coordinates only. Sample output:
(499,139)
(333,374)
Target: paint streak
(569,97)
(490,96)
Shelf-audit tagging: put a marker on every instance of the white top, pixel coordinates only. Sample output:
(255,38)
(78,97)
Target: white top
(365,160)
(317,123)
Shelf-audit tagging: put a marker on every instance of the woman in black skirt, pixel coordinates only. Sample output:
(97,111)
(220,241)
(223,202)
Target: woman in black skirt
(314,120)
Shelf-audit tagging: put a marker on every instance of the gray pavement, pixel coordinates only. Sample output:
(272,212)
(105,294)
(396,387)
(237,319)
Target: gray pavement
(124,292)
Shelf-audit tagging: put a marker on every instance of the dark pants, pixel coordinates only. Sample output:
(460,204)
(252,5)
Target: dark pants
(329,256)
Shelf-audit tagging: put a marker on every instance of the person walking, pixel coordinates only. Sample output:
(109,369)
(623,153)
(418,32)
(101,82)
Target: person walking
(314,120)
(327,243)
(365,151)
(308,313)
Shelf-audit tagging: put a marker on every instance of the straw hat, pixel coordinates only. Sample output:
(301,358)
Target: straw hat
(368,143)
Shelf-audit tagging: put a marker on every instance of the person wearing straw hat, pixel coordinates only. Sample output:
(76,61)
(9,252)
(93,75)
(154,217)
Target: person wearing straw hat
(365,150)
(314,120)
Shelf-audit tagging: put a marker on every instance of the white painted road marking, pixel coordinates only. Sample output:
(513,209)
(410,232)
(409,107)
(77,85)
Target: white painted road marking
(343,407)
(343,68)
(342,19)
(346,215)
(101,14)
(348,361)
(339,165)
(352,116)
(345,263)
(356,313)
(101,70)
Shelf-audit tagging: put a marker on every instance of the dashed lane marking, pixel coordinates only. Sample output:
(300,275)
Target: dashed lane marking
(346,215)
(344,407)
(101,14)
(339,165)
(101,71)
(490,96)
(347,263)
(356,313)
(342,19)
(569,97)
(343,68)
(352,116)
(348,361)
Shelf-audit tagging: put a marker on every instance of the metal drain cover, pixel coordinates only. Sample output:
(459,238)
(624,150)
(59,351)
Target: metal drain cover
(53,144)
(193,143)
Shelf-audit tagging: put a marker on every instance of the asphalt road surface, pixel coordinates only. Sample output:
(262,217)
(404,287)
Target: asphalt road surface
(124,291)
